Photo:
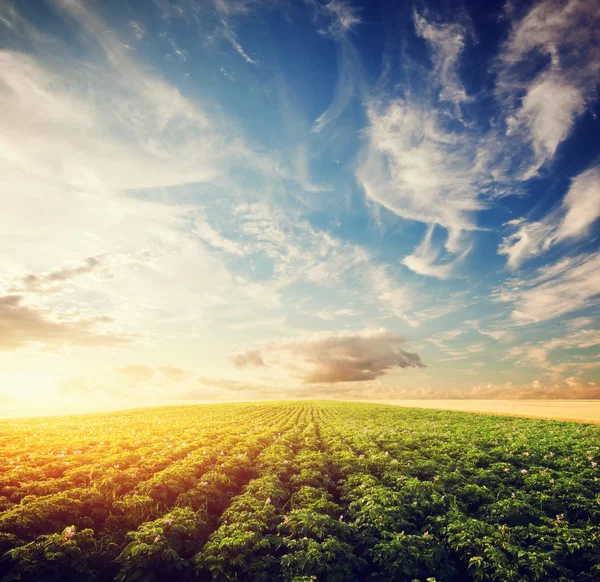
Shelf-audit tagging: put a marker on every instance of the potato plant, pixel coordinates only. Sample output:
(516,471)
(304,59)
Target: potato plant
(298,491)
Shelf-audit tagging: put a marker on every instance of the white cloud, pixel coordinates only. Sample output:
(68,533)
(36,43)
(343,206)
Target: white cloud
(231,36)
(423,261)
(457,350)
(398,299)
(329,358)
(496,334)
(545,28)
(447,42)
(216,240)
(581,322)
(229,76)
(299,251)
(342,16)
(176,51)
(347,83)
(119,142)
(331,314)
(569,285)
(440,340)
(529,240)
(581,205)
(233,7)
(546,116)
(566,35)
(418,170)
(583,338)
(138,29)
(345,15)
(81,136)
(573,219)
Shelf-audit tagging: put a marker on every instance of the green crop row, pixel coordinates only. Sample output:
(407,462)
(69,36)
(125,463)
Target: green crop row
(298,492)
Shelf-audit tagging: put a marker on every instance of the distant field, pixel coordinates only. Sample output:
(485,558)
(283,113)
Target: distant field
(576,410)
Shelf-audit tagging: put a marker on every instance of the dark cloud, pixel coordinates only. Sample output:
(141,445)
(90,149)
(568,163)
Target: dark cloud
(330,358)
(173,373)
(248,358)
(50,283)
(75,386)
(22,325)
(136,373)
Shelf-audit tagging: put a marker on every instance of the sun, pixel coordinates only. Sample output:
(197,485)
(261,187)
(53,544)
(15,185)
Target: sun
(31,387)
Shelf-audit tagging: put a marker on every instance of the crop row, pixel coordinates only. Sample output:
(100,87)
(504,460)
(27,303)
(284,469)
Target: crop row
(299,491)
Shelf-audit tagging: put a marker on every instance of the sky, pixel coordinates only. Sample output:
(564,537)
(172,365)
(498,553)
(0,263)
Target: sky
(219,200)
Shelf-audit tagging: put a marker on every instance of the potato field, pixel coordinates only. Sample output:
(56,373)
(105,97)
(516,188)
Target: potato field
(298,491)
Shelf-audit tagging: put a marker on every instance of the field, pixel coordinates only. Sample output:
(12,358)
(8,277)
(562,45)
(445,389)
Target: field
(298,492)
(576,410)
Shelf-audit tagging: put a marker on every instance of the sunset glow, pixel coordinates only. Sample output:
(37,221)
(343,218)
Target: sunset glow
(229,200)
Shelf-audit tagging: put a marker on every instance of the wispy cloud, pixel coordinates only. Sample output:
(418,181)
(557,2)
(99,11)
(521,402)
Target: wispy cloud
(231,36)
(566,35)
(392,296)
(229,76)
(419,170)
(233,7)
(447,42)
(452,343)
(339,16)
(344,16)
(138,29)
(299,251)
(441,339)
(176,51)
(424,259)
(346,87)
(174,221)
(216,240)
(546,117)
(106,128)
(584,338)
(572,220)
(569,285)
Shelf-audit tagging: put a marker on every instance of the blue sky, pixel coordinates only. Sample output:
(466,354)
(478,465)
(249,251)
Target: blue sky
(232,200)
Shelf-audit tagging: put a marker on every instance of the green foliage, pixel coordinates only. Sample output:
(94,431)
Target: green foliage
(64,557)
(319,492)
(163,548)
